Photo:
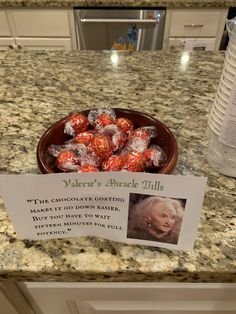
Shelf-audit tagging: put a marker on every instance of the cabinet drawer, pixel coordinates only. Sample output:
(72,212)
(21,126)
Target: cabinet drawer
(195,23)
(43,43)
(41,23)
(7,43)
(4,28)
(6,307)
(191,44)
(129,298)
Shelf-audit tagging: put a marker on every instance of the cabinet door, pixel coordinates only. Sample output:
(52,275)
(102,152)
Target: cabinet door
(128,298)
(43,43)
(5,306)
(40,23)
(7,43)
(194,23)
(4,27)
(12,301)
(191,44)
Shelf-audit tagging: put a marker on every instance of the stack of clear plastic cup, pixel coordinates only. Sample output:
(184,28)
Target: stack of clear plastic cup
(220,156)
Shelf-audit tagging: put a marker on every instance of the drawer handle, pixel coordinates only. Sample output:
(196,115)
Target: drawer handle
(193,25)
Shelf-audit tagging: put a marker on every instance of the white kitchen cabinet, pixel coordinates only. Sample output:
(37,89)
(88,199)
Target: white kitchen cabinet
(42,23)
(130,298)
(43,43)
(4,27)
(190,44)
(6,39)
(37,29)
(12,301)
(5,305)
(7,43)
(200,24)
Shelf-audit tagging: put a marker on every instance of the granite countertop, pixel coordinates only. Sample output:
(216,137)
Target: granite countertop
(39,88)
(119,3)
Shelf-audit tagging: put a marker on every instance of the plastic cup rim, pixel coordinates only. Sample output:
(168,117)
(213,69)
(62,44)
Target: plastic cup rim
(225,86)
(225,82)
(228,52)
(222,96)
(231,45)
(213,128)
(228,69)
(222,103)
(215,123)
(219,108)
(225,75)
(227,60)
(216,116)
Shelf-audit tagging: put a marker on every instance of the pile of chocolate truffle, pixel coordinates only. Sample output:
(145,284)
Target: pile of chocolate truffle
(103,142)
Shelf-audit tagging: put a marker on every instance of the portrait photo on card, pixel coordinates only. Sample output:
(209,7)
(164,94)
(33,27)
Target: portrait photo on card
(155,218)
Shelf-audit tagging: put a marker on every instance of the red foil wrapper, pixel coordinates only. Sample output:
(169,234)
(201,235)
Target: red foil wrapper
(154,156)
(125,124)
(94,113)
(139,140)
(76,124)
(151,129)
(91,159)
(101,146)
(55,150)
(84,137)
(118,138)
(134,162)
(67,161)
(113,163)
(103,120)
(88,168)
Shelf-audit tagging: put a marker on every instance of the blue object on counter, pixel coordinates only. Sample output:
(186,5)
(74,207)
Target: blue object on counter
(121,41)
(132,34)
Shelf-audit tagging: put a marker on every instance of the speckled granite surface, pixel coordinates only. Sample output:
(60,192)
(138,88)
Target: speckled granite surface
(120,3)
(38,88)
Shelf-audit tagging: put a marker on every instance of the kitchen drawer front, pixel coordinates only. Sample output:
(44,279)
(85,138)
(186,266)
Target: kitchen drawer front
(194,23)
(191,44)
(41,23)
(43,43)
(129,298)
(4,27)
(6,306)
(7,43)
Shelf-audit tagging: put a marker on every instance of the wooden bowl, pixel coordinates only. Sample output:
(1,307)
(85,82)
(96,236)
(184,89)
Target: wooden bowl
(165,139)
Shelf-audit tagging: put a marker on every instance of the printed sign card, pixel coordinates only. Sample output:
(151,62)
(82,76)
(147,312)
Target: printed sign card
(136,208)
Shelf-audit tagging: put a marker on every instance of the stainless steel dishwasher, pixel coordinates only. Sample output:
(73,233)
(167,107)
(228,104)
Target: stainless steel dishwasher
(99,29)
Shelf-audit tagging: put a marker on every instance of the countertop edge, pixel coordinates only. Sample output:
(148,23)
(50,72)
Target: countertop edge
(7,4)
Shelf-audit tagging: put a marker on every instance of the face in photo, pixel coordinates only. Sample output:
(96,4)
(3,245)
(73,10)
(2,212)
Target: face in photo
(155,218)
